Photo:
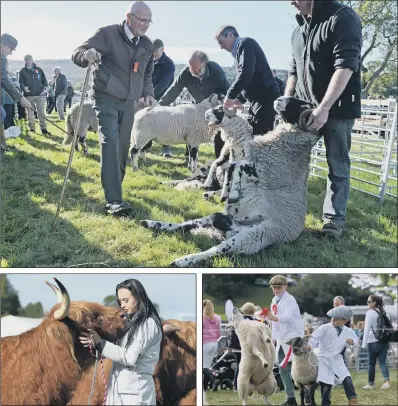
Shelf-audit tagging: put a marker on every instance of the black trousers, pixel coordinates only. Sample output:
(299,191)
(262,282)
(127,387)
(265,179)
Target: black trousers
(50,104)
(262,114)
(326,390)
(67,101)
(10,113)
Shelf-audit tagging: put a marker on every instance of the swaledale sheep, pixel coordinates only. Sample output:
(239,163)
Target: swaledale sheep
(88,120)
(258,358)
(269,186)
(304,369)
(172,125)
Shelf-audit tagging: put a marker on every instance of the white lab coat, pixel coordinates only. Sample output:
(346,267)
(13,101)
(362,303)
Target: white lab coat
(290,323)
(330,360)
(131,381)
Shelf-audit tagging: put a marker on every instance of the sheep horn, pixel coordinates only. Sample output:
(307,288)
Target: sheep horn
(63,298)
(229,112)
(303,119)
(169,328)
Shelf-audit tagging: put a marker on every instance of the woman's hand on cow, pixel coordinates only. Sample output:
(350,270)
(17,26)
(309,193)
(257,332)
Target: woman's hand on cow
(91,338)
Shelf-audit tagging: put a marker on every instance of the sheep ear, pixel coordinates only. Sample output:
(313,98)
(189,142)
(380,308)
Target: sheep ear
(289,342)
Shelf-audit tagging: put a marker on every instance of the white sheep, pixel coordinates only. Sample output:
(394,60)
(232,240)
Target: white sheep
(304,369)
(88,121)
(172,125)
(258,358)
(269,187)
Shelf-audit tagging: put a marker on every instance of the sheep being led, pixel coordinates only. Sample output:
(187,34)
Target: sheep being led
(88,121)
(267,201)
(173,125)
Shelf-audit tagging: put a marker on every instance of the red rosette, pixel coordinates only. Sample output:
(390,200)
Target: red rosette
(274,308)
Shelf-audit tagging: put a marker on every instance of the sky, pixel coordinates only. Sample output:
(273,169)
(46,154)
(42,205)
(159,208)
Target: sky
(174,293)
(52,30)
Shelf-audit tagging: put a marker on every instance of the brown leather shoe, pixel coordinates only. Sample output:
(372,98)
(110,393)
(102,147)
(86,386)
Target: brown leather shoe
(353,402)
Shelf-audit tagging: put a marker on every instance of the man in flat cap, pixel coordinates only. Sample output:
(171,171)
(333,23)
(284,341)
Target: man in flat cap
(332,338)
(286,324)
(8,45)
(162,78)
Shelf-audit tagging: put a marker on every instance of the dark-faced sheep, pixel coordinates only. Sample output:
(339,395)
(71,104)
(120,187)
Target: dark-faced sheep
(267,201)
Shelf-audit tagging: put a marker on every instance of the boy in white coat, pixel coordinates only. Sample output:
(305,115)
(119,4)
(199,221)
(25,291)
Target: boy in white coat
(286,324)
(332,338)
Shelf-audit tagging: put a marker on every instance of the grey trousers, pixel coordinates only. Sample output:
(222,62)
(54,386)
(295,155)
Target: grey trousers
(115,121)
(37,103)
(337,136)
(60,106)
(286,375)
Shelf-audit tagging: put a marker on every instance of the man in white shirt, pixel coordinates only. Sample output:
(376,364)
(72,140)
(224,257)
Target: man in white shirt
(286,324)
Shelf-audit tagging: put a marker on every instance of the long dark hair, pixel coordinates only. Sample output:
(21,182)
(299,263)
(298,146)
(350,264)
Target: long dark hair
(379,302)
(145,309)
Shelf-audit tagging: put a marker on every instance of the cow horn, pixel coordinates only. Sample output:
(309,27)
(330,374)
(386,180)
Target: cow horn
(63,298)
(229,112)
(170,328)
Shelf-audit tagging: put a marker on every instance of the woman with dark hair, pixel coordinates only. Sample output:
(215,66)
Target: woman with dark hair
(376,349)
(135,356)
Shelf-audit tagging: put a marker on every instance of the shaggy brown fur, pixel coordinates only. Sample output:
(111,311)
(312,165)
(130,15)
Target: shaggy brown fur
(175,373)
(44,365)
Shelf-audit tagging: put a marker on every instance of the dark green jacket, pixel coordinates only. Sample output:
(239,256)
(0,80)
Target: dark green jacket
(125,71)
(214,81)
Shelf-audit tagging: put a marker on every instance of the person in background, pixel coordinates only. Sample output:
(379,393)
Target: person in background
(50,97)
(162,78)
(60,90)
(123,78)
(377,350)
(254,80)
(286,324)
(201,78)
(326,72)
(280,82)
(211,333)
(33,83)
(8,45)
(69,95)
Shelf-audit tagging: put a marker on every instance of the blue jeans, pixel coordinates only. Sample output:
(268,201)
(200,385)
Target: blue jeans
(378,351)
(337,136)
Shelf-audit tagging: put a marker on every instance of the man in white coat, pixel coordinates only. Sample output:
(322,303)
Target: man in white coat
(286,324)
(332,338)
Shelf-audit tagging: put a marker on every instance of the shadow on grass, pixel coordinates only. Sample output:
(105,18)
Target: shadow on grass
(28,200)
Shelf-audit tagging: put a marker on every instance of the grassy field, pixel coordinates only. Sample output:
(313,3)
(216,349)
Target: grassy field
(31,180)
(365,397)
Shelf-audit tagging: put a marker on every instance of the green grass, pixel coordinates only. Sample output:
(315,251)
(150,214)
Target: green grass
(365,397)
(31,181)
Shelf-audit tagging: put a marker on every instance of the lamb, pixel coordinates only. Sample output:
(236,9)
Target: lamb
(304,369)
(88,121)
(258,358)
(267,202)
(182,124)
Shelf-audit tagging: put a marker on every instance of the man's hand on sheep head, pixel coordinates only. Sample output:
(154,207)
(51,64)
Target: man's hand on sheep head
(148,101)
(318,118)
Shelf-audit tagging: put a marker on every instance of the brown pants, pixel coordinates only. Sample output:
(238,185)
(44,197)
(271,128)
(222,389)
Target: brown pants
(37,103)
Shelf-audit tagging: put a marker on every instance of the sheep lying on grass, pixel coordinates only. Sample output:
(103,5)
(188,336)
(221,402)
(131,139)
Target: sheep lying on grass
(88,121)
(258,358)
(304,369)
(267,201)
(182,124)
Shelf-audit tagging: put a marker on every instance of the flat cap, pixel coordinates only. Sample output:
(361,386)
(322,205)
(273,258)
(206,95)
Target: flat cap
(9,40)
(158,43)
(340,312)
(278,280)
(248,308)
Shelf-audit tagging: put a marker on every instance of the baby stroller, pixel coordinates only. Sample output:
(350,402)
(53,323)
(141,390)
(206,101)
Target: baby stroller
(223,370)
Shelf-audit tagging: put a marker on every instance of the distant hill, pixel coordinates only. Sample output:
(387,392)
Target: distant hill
(76,74)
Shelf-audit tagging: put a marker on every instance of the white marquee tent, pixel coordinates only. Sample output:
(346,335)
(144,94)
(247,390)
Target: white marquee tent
(14,325)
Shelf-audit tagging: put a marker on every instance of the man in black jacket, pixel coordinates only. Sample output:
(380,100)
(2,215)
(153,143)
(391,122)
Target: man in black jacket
(162,78)
(254,80)
(326,71)
(33,83)
(70,92)
(202,78)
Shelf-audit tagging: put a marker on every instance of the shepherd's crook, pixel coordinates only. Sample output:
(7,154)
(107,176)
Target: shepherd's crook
(72,149)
